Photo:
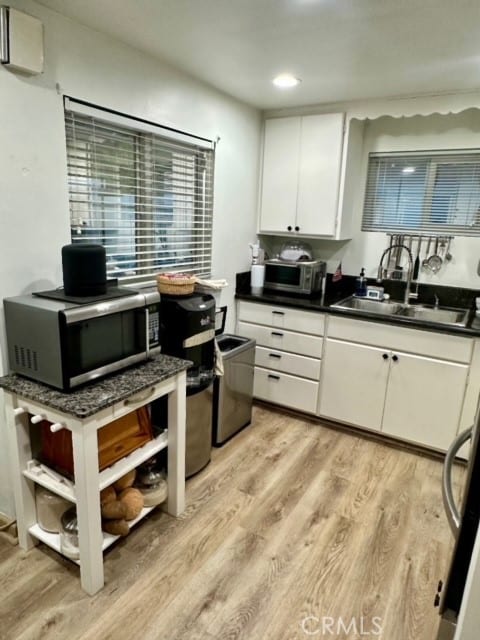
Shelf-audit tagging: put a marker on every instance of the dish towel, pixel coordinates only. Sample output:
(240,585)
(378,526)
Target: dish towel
(216,285)
(219,371)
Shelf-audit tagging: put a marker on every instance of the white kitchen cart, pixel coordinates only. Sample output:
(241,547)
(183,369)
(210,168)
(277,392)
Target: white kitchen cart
(30,403)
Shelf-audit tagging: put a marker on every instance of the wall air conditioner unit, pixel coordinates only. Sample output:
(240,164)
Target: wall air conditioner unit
(21,41)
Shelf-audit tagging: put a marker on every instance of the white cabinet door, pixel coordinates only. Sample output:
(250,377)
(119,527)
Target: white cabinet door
(424,399)
(353,383)
(321,144)
(302,161)
(280,175)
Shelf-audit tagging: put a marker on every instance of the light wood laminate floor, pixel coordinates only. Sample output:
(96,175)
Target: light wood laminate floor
(292,520)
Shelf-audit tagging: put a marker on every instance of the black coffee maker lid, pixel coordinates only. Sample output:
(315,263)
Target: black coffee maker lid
(84,267)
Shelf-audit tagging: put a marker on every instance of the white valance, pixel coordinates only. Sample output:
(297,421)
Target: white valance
(444,104)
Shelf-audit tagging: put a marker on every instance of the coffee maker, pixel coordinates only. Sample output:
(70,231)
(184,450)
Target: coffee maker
(187,330)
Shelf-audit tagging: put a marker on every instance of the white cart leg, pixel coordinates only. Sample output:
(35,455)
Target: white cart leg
(176,447)
(85,460)
(20,453)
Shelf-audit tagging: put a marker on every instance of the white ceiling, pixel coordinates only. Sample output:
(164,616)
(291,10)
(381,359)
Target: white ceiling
(341,49)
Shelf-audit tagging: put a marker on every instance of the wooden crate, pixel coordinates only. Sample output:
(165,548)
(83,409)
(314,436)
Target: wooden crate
(115,440)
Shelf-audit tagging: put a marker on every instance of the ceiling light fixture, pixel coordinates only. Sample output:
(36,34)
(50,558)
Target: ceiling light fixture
(286,81)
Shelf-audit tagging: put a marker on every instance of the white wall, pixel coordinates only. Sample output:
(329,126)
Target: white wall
(34,217)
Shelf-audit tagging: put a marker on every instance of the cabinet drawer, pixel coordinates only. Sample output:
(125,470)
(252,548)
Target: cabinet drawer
(282,317)
(288,363)
(428,343)
(287,390)
(275,338)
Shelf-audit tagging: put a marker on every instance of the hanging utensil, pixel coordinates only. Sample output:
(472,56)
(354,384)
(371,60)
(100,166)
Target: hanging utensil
(416,266)
(398,272)
(427,254)
(448,255)
(435,262)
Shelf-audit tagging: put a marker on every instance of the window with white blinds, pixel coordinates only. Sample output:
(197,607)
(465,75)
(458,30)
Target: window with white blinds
(144,192)
(427,192)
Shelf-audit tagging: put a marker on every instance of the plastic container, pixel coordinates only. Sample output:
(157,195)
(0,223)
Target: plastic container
(50,509)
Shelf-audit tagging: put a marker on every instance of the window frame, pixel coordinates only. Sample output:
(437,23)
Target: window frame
(426,226)
(191,192)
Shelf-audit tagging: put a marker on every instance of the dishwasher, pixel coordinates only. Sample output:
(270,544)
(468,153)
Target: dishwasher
(232,392)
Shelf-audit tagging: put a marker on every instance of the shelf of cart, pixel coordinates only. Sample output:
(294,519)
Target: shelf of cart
(53,539)
(111,474)
(50,479)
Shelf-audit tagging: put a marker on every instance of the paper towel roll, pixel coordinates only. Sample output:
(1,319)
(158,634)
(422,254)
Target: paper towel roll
(257,278)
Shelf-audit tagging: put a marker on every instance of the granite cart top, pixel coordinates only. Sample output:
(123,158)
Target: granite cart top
(95,396)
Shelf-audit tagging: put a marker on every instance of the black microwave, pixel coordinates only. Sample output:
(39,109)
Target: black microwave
(64,344)
(303,276)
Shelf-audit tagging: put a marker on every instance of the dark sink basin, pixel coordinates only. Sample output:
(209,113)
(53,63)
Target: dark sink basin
(440,315)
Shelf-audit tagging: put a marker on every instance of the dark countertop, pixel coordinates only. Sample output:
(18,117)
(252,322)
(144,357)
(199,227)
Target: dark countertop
(95,396)
(449,297)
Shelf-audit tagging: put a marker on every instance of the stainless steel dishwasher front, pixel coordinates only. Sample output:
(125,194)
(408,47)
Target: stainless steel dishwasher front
(232,392)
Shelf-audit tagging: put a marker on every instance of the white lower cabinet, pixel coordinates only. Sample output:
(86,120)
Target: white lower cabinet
(405,382)
(417,397)
(424,399)
(288,363)
(354,383)
(286,390)
(288,353)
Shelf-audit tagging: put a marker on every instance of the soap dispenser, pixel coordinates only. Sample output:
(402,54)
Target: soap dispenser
(361,284)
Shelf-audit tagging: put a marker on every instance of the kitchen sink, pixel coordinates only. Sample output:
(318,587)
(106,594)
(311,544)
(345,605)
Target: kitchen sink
(458,317)
(441,315)
(387,308)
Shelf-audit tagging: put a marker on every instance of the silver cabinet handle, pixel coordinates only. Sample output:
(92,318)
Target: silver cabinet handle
(277,333)
(272,377)
(279,313)
(275,355)
(453,514)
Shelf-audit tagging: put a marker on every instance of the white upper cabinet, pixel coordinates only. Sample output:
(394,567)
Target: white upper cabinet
(303,176)
(280,175)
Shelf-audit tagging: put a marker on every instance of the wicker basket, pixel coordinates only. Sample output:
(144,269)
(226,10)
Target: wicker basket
(178,286)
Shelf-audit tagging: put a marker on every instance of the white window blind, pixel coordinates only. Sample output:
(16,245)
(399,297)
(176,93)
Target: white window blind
(427,192)
(144,192)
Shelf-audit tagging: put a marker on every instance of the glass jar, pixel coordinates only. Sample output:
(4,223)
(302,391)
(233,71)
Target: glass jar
(50,508)
(69,534)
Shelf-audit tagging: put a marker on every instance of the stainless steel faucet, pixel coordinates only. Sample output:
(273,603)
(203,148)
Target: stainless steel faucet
(380,276)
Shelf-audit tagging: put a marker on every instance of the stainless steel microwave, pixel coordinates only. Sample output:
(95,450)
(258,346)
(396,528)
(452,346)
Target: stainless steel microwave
(64,344)
(304,276)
